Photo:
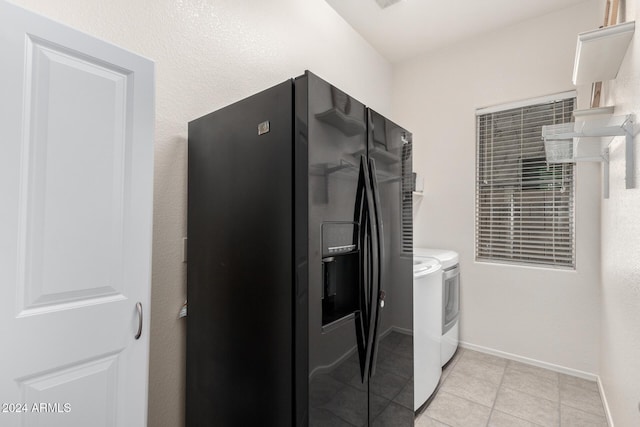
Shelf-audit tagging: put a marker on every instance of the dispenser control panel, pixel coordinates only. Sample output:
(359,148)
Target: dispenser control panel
(339,238)
(341,249)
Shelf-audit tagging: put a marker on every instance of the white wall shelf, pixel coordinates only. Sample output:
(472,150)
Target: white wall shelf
(588,140)
(593,113)
(600,52)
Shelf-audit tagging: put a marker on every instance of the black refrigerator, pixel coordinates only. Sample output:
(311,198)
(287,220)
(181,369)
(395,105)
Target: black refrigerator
(299,270)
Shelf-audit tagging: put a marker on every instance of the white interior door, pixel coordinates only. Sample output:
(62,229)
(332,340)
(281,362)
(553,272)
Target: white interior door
(76,176)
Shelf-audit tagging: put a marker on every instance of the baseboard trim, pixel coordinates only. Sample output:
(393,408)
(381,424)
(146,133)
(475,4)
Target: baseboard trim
(552,367)
(605,403)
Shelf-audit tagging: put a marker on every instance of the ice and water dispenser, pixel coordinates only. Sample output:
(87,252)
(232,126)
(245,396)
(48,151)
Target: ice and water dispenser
(340,273)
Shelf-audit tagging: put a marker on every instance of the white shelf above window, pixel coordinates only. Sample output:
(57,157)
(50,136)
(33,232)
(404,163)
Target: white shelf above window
(600,52)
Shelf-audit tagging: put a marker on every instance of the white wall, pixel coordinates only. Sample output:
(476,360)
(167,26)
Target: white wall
(548,315)
(620,343)
(209,54)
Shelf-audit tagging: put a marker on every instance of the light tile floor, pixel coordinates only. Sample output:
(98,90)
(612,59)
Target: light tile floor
(478,389)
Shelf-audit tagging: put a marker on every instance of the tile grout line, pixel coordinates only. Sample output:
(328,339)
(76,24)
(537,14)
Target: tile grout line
(481,378)
(500,386)
(533,395)
(559,402)
(336,415)
(559,414)
(497,390)
(480,404)
(464,398)
(495,399)
(503,386)
(582,410)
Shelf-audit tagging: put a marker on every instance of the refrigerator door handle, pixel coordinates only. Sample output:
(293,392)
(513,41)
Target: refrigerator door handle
(373,265)
(362,316)
(378,294)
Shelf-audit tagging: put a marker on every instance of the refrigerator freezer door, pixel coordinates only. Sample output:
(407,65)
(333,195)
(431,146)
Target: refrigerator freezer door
(337,140)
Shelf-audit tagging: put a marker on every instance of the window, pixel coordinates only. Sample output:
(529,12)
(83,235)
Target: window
(524,206)
(407,199)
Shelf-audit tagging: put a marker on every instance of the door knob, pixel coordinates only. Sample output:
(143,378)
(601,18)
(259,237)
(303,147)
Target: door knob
(139,310)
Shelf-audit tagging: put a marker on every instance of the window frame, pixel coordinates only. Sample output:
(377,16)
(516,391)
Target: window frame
(530,183)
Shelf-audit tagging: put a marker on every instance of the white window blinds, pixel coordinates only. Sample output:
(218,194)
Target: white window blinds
(524,206)
(407,199)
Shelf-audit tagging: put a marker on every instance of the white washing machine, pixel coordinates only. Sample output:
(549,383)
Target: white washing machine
(450,309)
(427,321)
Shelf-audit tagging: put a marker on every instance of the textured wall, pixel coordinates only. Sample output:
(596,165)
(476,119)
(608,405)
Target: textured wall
(209,54)
(620,337)
(543,314)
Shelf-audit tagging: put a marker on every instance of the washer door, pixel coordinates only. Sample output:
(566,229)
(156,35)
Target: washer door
(450,298)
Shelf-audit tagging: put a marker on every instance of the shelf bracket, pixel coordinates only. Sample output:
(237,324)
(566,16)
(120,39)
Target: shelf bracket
(557,139)
(605,173)
(629,155)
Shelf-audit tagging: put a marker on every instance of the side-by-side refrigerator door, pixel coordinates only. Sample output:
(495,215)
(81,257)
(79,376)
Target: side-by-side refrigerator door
(239,274)
(338,384)
(389,152)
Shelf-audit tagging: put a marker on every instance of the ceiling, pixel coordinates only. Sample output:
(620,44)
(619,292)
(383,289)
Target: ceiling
(411,27)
